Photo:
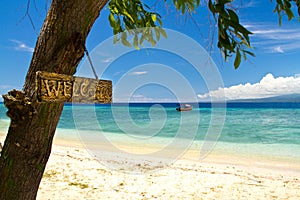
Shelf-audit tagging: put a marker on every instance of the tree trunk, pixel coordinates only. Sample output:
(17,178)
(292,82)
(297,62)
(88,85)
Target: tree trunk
(59,49)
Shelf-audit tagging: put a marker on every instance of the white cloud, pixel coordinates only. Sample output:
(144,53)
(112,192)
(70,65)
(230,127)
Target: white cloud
(269,33)
(278,49)
(140,98)
(134,98)
(248,4)
(117,73)
(139,73)
(5,86)
(268,86)
(104,57)
(125,98)
(274,39)
(21,46)
(108,60)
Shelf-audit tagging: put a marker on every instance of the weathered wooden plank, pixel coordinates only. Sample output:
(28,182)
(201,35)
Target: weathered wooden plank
(54,87)
(86,90)
(60,87)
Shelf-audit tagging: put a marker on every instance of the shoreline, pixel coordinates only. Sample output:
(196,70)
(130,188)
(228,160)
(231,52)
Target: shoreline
(223,153)
(73,173)
(218,155)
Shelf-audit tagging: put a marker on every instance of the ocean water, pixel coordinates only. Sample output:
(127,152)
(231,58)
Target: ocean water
(271,129)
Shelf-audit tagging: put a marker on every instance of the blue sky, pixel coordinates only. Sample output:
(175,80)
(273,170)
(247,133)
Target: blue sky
(274,71)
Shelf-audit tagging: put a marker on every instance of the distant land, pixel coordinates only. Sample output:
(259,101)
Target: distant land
(281,98)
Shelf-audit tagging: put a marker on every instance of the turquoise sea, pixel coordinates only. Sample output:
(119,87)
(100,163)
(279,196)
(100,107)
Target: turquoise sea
(264,129)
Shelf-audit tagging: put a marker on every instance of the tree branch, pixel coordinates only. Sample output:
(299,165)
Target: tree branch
(29,17)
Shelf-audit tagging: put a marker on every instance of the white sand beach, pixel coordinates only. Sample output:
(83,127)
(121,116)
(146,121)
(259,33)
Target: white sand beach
(72,173)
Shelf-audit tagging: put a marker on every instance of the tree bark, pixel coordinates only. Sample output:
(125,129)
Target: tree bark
(59,49)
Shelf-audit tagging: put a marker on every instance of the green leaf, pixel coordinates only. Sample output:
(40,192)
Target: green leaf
(116,38)
(128,24)
(159,21)
(152,41)
(183,8)
(211,7)
(287,4)
(237,60)
(153,17)
(163,32)
(219,7)
(125,42)
(112,20)
(124,39)
(128,15)
(157,33)
(290,14)
(136,42)
(123,35)
(233,16)
(250,53)
(244,55)
(142,39)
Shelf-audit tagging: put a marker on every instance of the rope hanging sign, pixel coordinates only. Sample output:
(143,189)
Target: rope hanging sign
(60,87)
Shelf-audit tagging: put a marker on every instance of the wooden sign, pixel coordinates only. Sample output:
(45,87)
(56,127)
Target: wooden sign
(60,87)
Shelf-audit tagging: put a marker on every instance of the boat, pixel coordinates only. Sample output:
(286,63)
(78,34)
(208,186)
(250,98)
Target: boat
(184,107)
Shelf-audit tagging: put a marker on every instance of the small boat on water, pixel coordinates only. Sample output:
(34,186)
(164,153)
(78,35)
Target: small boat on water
(184,107)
